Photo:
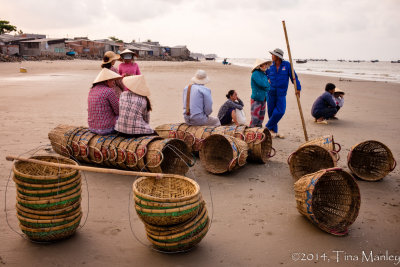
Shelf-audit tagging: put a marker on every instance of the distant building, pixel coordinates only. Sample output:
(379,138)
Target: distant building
(139,49)
(180,51)
(85,47)
(10,44)
(111,45)
(46,46)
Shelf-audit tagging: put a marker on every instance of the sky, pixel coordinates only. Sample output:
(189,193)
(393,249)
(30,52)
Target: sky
(331,29)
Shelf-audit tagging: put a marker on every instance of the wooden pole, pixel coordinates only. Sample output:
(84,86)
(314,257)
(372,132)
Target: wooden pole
(295,83)
(86,168)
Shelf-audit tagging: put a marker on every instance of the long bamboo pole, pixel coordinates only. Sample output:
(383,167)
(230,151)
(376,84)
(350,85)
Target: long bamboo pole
(86,168)
(295,83)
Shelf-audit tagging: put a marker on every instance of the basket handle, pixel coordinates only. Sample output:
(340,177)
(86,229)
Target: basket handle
(172,134)
(190,134)
(232,164)
(107,153)
(261,140)
(271,155)
(134,156)
(394,165)
(159,163)
(180,131)
(290,157)
(334,147)
(99,151)
(241,135)
(84,145)
(74,143)
(336,154)
(124,156)
(144,153)
(116,153)
(238,161)
(248,140)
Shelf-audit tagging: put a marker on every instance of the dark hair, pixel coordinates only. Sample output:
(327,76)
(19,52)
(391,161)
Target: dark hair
(148,104)
(230,93)
(106,65)
(329,87)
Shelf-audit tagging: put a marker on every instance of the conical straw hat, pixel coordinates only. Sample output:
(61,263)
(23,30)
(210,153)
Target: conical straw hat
(259,62)
(105,75)
(137,84)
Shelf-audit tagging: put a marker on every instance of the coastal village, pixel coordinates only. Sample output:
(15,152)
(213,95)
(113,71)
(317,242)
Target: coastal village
(37,46)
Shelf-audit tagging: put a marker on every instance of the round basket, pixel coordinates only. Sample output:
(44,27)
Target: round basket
(116,154)
(50,213)
(122,158)
(183,245)
(97,153)
(371,160)
(201,133)
(50,204)
(168,156)
(84,146)
(326,142)
(223,153)
(190,138)
(309,159)
(39,187)
(49,192)
(46,223)
(76,149)
(76,188)
(170,188)
(33,173)
(154,205)
(259,141)
(52,233)
(169,130)
(48,217)
(329,198)
(108,149)
(59,139)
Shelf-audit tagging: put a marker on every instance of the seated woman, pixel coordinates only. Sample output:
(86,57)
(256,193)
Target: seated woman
(227,112)
(129,66)
(325,107)
(134,108)
(103,106)
(109,60)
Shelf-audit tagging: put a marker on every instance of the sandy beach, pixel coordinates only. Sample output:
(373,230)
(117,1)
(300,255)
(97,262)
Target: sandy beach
(255,220)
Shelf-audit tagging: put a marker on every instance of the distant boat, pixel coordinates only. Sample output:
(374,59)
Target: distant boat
(341,60)
(301,61)
(395,61)
(374,61)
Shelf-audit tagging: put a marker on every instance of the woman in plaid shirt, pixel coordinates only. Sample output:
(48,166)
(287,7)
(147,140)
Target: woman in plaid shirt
(134,108)
(103,106)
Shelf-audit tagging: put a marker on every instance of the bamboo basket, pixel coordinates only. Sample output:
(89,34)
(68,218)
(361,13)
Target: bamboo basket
(76,149)
(50,213)
(116,154)
(168,156)
(107,147)
(154,205)
(38,174)
(259,141)
(182,245)
(122,158)
(50,204)
(309,159)
(223,153)
(46,223)
(326,142)
(201,133)
(22,212)
(168,189)
(84,146)
(97,152)
(171,130)
(38,187)
(329,198)
(59,139)
(23,196)
(52,233)
(49,192)
(190,136)
(371,160)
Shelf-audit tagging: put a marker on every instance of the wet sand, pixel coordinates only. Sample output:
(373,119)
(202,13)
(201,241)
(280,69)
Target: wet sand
(255,220)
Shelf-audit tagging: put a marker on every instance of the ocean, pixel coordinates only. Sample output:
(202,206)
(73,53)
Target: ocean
(383,71)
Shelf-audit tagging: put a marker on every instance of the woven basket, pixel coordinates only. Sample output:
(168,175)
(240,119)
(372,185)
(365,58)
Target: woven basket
(183,245)
(46,223)
(76,149)
(168,130)
(259,141)
(107,148)
(371,160)
(84,146)
(175,229)
(223,153)
(59,139)
(154,205)
(34,216)
(39,187)
(309,159)
(50,213)
(49,192)
(190,136)
(329,198)
(116,154)
(326,142)
(97,153)
(52,233)
(141,149)
(35,197)
(122,158)
(201,133)
(50,204)
(33,173)
(168,156)
(170,188)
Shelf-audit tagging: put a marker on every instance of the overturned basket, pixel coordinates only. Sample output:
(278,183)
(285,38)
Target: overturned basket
(329,198)
(326,142)
(309,159)
(371,160)
(223,153)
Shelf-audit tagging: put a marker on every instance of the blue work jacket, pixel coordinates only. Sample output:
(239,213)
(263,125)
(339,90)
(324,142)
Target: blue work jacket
(280,79)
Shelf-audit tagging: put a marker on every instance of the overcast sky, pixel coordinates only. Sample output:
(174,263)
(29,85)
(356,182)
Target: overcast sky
(332,29)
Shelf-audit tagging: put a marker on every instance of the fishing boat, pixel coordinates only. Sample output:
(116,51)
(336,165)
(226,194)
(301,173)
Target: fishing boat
(300,61)
(374,61)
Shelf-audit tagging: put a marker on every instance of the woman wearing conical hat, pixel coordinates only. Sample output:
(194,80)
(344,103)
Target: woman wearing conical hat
(128,67)
(103,104)
(259,92)
(134,108)
(108,62)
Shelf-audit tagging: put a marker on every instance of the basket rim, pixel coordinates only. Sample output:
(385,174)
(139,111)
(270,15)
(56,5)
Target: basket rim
(139,202)
(167,211)
(52,190)
(65,194)
(50,229)
(44,186)
(49,201)
(169,200)
(44,221)
(48,212)
(48,217)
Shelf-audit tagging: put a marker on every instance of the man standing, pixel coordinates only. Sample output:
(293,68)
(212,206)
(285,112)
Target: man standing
(278,75)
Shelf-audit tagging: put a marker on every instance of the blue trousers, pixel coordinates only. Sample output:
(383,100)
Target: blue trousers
(276,110)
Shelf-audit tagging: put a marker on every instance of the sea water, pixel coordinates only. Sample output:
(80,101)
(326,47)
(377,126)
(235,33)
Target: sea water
(383,71)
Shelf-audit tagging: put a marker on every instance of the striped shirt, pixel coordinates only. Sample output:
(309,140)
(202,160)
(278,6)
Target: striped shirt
(103,109)
(134,117)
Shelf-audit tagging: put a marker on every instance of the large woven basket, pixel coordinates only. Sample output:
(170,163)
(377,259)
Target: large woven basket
(76,148)
(223,153)
(172,130)
(329,198)
(56,213)
(97,152)
(201,133)
(22,211)
(39,187)
(169,156)
(371,160)
(48,193)
(60,137)
(33,173)
(170,188)
(50,204)
(326,142)
(46,223)
(309,159)
(36,197)
(52,233)
(259,141)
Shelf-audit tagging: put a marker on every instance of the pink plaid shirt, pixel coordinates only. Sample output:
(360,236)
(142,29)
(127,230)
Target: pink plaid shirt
(134,117)
(128,69)
(103,109)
